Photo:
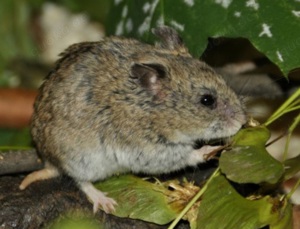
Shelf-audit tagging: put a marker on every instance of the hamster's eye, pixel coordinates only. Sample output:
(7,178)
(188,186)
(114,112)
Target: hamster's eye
(208,101)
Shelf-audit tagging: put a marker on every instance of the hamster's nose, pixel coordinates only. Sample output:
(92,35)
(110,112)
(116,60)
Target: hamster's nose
(233,111)
(229,109)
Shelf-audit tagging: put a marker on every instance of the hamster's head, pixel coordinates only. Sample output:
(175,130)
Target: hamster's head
(190,101)
(187,99)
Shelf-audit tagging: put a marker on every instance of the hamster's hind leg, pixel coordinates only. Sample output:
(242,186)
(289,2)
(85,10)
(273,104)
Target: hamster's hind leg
(97,197)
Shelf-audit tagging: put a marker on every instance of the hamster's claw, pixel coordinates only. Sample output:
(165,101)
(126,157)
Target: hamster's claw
(98,198)
(107,204)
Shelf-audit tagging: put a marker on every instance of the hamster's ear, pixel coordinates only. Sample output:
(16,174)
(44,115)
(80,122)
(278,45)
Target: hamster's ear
(149,76)
(170,40)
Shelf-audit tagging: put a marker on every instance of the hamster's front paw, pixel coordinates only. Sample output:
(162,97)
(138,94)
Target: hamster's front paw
(199,155)
(98,198)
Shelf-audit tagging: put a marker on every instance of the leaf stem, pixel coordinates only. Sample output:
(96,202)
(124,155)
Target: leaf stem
(193,201)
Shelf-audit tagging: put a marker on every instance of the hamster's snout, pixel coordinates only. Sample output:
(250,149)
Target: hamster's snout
(232,112)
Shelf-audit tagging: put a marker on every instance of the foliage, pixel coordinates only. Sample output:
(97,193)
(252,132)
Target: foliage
(17,40)
(234,211)
(141,198)
(248,160)
(273,27)
(14,137)
(76,221)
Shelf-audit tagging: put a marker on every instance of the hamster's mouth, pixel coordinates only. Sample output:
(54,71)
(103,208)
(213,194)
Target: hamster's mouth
(219,141)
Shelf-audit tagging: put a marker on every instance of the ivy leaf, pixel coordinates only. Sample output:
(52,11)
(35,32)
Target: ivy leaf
(273,27)
(230,210)
(248,161)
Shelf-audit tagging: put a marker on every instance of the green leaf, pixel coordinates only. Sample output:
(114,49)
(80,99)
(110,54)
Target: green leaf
(76,222)
(223,207)
(139,199)
(15,38)
(248,161)
(256,136)
(273,27)
(285,217)
(292,166)
(11,138)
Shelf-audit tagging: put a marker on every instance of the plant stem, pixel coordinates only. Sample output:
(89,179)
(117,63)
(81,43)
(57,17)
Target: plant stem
(284,107)
(289,195)
(193,201)
(290,131)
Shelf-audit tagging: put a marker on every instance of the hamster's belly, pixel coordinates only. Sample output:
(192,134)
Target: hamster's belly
(154,159)
(103,162)
(92,165)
